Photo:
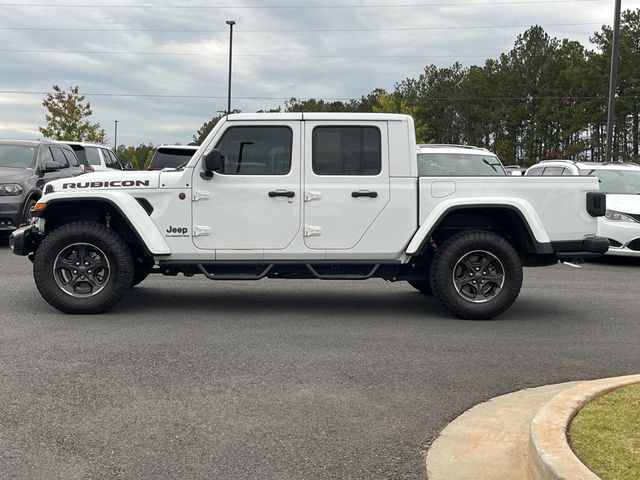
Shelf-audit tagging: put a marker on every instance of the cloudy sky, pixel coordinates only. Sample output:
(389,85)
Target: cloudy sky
(160,66)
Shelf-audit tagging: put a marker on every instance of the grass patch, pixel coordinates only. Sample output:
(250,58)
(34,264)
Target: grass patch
(606,434)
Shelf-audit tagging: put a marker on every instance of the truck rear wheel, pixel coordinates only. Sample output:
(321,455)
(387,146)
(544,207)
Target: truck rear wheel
(83,267)
(476,275)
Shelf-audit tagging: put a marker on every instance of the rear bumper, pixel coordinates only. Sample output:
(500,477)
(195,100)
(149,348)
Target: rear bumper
(587,248)
(24,241)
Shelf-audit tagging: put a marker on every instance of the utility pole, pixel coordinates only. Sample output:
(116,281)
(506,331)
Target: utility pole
(613,82)
(115,137)
(231,23)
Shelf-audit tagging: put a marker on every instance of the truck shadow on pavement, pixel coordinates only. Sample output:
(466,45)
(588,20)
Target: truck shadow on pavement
(297,301)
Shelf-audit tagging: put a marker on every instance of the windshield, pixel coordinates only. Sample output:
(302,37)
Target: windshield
(17,156)
(617,181)
(458,164)
(171,157)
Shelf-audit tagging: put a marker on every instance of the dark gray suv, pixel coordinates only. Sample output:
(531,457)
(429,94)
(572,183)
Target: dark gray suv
(25,167)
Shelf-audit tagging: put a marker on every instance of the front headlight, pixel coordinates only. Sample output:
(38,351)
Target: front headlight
(12,189)
(614,216)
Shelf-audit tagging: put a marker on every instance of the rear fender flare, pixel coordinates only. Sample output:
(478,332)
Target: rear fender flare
(521,207)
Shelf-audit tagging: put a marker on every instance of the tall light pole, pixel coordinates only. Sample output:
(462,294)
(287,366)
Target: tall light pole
(613,82)
(115,136)
(231,23)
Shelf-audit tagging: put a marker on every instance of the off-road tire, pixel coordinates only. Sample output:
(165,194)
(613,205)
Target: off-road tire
(456,248)
(121,267)
(423,286)
(142,269)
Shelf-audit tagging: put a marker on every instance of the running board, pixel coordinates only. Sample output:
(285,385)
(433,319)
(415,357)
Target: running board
(234,276)
(343,276)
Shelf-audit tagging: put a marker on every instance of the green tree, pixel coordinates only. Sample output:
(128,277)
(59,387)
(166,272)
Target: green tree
(68,117)
(206,128)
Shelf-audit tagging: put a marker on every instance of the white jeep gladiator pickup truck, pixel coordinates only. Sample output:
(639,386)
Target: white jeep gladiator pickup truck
(307,195)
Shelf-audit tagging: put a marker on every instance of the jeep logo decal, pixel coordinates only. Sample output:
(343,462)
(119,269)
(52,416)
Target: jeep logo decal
(111,184)
(177,231)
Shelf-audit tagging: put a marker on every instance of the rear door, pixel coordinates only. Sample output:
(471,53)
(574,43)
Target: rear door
(346,181)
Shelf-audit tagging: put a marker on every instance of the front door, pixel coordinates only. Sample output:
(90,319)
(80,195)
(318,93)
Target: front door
(254,203)
(346,181)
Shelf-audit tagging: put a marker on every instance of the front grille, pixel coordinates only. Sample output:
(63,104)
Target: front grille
(634,245)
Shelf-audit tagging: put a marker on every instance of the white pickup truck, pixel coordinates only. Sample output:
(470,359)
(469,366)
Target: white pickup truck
(307,195)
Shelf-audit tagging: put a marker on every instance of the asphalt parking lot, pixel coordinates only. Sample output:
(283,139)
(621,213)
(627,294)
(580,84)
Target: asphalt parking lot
(187,378)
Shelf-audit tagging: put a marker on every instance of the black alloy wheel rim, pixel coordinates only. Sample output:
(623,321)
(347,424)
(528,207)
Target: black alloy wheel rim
(478,276)
(81,270)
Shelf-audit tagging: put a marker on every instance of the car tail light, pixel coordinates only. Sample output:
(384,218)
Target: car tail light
(149,168)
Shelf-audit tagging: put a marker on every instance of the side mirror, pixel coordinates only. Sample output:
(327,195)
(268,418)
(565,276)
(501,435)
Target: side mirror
(51,167)
(211,162)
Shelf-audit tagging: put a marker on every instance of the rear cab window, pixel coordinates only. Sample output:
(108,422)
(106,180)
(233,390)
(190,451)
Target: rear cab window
(439,164)
(92,155)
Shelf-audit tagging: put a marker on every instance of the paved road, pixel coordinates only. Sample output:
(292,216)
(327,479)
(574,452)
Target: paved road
(283,379)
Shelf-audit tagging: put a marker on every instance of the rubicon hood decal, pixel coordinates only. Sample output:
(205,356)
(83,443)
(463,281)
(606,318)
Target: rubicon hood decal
(107,184)
(106,181)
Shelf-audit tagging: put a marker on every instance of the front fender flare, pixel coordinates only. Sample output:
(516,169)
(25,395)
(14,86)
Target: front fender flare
(131,211)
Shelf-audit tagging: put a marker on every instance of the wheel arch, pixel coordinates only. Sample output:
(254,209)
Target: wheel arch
(125,215)
(507,219)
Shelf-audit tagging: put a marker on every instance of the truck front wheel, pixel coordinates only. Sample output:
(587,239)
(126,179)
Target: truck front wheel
(83,267)
(476,275)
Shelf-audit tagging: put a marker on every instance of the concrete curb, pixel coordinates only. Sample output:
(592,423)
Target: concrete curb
(550,455)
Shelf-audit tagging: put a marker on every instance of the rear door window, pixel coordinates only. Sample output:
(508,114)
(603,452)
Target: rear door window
(346,150)
(59,157)
(71,157)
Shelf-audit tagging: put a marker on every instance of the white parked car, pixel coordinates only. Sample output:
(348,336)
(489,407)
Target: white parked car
(444,160)
(96,157)
(621,183)
(328,196)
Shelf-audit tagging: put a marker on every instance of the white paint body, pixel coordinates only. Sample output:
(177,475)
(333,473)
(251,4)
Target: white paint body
(232,217)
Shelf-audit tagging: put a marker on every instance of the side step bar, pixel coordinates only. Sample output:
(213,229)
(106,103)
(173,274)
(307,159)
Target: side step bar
(234,276)
(343,276)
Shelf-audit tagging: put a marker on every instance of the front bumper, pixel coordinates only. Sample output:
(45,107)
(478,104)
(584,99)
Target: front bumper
(25,240)
(590,247)
(10,213)
(624,237)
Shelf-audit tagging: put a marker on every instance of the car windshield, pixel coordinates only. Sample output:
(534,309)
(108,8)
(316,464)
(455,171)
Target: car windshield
(458,164)
(171,157)
(617,181)
(17,156)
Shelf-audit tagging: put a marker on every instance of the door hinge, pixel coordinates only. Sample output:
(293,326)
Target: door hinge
(311,231)
(311,195)
(201,231)
(200,195)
